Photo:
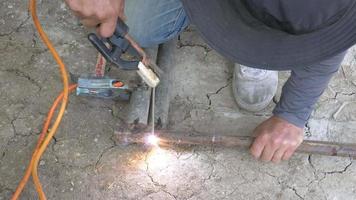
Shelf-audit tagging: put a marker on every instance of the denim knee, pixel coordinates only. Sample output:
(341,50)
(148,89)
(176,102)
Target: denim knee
(155,21)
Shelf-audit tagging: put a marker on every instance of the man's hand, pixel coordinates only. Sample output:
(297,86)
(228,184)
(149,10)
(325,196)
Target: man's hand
(276,140)
(99,13)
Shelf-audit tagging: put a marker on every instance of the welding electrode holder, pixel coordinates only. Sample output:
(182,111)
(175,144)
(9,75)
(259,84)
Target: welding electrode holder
(118,46)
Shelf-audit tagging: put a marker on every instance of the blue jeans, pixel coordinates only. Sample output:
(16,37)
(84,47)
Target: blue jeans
(154,22)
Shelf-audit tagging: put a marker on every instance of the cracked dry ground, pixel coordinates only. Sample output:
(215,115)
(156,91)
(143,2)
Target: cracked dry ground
(84,161)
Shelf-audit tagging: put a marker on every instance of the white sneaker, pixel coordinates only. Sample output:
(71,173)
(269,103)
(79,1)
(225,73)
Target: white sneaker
(254,88)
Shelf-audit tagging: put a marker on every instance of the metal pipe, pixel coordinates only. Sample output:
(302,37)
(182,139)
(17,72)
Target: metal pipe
(169,138)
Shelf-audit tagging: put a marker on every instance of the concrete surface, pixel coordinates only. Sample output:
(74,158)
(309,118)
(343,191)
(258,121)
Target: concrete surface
(84,160)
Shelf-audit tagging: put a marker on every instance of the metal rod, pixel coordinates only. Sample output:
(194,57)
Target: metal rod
(168,138)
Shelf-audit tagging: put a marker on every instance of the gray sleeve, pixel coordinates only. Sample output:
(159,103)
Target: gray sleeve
(303,89)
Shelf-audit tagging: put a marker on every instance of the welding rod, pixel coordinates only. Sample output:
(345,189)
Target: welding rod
(168,138)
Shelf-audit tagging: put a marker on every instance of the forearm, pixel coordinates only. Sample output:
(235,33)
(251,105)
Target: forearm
(303,89)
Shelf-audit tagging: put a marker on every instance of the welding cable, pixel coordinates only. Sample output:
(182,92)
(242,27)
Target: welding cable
(62,108)
(43,133)
(43,144)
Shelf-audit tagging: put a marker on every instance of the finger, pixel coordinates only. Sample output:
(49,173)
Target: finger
(73,5)
(90,22)
(257,147)
(122,11)
(123,17)
(268,153)
(277,156)
(288,154)
(76,13)
(106,29)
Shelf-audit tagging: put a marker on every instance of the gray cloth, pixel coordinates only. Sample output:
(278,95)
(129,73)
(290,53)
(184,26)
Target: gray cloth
(303,89)
(158,21)
(298,17)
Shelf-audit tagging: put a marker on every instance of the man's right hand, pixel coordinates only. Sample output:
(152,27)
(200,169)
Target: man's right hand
(102,14)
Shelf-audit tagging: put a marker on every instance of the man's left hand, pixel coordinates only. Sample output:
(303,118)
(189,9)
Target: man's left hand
(276,140)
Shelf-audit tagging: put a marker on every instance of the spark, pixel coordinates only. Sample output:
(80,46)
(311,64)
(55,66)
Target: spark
(159,159)
(152,140)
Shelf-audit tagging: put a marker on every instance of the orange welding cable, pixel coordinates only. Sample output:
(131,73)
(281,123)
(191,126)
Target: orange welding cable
(63,71)
(25,178)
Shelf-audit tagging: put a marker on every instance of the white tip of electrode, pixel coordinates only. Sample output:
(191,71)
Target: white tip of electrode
(148,76)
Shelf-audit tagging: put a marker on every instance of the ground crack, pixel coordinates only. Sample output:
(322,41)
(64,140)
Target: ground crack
(344,94)
(340,171)
(101,156)
(4,188)
(307,131)
(295,192)
(22,74)
(3,155)
(16,29)
(209,95)
(155,183)
(324,174)
(181,44)
(285,185)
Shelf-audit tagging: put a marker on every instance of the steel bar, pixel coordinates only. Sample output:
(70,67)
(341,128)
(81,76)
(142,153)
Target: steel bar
(168,138)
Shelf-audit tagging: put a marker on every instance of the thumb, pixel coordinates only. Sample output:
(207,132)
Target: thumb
(107,28)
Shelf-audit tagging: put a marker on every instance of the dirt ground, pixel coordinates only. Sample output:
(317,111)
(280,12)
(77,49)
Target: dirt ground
(84,160)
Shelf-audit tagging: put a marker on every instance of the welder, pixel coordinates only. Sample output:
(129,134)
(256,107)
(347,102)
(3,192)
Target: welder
(309,38)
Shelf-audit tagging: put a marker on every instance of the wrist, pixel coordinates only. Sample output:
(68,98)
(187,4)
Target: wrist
(290,118)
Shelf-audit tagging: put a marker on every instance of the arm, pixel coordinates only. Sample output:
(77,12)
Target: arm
(278,137)
(303,89)
(102,14)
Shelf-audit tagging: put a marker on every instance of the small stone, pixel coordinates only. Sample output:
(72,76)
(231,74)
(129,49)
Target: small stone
(63,6)
(10,6)
(96,140)
(42,162)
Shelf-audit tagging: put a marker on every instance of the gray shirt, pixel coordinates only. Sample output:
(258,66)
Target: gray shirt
(305,86)
(303,89)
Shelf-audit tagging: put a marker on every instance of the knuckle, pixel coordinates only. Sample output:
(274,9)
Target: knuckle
(109,13)
(293,144)
(73,5)
(285,143)
(264,137)
(69,3)
(74,8)
(277,141)
(85,13)
(100,14)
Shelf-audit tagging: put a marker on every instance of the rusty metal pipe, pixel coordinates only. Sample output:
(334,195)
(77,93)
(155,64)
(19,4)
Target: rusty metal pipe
(169,138)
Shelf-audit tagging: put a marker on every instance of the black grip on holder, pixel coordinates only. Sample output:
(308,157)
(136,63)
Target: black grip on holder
(118,46)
